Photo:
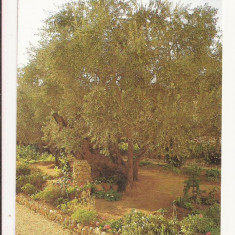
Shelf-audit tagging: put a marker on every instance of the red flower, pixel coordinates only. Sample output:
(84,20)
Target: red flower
(107,226)
(200,215)
(208,233)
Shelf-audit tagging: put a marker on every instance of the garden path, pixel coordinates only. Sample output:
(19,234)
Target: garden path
(30,223)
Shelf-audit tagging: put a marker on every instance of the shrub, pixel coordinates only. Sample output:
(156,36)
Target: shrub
(22,168)
(20,182)
(197,224)
(184,202)
(210,198)
(27,153)
(84,216)
(145,163)
(138,223)
(99,194)
(213,174)
(50,194)
(172,169)
(212,155)
(175,161)
(208,152)
(112,196)
(29,189)
(193,170)
(36,179)
(213,212)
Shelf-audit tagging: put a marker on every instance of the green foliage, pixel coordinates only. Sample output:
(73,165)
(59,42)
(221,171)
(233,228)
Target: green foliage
(193,184)
(22,168)
(172,168)
(213,212)
(193,170)
(36,179)
(184,202)
(99,194)
(138,223)
(145,163)
(213,174)
(209,199)
(116,225)
(29,189)
(84,216)
(198,224)
(208,152)
(175,161)
(50,194)
(158,84)
(27,153)
(112,196)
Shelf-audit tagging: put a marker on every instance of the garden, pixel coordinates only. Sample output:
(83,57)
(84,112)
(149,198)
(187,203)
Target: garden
(169,198)
(119,119)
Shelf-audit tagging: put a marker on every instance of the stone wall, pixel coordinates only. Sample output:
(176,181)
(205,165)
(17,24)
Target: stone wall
(81,172)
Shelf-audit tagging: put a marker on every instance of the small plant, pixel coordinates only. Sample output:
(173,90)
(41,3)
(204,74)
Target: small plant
(172,169)
(175,161)
(84,216)
(27,153)
(138,223)
(197,224)
(29,189)
(112,196)
(99,194)
(145,163)
(184,202)
(210,198)
(213,174)
(50,194)
(22,168)
(193,184)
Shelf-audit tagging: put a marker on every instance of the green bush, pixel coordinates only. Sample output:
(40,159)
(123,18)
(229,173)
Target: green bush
(208,152)
(213,174)
(184,202)
(176,161)
(22,168)
(112,196)
(50,194)
(193,170)
(29,189)
(99,194)
(197,224)
(145,163)
(20,182)
(172,168)
(27,153)
(138,223)
(84,216)
(213,212)
(37,180)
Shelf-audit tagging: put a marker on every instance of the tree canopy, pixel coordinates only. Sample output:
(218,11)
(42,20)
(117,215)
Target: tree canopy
(112,71)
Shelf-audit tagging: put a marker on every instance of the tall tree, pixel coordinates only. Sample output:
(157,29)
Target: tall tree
(113,71)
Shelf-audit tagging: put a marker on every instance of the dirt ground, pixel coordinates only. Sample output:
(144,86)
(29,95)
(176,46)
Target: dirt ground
(155,189)
(31,223)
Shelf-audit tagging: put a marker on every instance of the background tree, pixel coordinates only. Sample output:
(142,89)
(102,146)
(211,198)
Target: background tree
(113,71)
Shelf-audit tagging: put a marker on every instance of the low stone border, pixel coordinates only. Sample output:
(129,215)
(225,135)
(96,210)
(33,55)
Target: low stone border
(57,217)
